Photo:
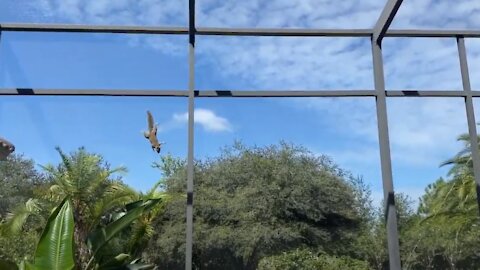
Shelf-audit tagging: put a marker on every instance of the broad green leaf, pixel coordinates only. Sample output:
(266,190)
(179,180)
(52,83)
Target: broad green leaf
(115,263)
(120,262)
(140,266)
(98,238)
(55,248)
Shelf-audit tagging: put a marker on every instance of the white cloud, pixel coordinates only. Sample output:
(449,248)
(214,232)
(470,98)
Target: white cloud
(298,63)
(285,13)
(122,12)
(290,63)
(421,130)
(424,131)
(438,14)
(207,119)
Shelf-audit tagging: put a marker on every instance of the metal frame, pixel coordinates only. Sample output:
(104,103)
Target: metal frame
(377,34)
(191,115)
(214,31)
(472,128)
(233,93)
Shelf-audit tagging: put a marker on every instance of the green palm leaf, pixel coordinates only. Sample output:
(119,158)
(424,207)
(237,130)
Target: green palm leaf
(16,219)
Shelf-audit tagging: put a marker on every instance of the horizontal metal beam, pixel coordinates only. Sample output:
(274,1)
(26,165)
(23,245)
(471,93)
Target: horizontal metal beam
(69,28)
(433,33)
(76,28)
(92,92)
(286,93)
(24,27)
(184,93)
(429,93)
(285,32)
(232,93)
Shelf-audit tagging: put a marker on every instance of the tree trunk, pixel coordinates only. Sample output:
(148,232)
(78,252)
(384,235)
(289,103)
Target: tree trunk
(82,252)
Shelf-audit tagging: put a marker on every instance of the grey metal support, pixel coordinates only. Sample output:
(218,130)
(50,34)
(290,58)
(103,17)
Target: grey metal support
(385,20)
(92,92)
(76,28)
(432,33)
(1,32)
(242,93)
(216,31)
(472,129)
(282,32)
(385,158)
(191,126)
(379,31)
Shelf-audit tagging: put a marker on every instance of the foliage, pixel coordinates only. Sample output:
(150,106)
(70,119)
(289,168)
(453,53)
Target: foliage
(445,234)
(19,181)
(17,247)
(255,202)
(274,207)
(90,183)
(101,207)
(308,260)
(55,248)
(99,237)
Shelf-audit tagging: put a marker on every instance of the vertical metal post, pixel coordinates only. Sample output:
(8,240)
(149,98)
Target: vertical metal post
(472,129)
(2,77)
(191,108)
(386,162)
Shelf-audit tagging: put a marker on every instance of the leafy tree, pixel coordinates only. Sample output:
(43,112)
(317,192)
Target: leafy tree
(371,243)
(19,181)
(256,202)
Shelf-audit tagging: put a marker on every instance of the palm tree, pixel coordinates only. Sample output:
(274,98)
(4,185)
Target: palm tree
(462,162)
(97,197)
(87,180)
(456,197)
(143,228)
(94,191)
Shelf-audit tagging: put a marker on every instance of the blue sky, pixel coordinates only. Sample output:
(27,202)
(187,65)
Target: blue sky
(423,131)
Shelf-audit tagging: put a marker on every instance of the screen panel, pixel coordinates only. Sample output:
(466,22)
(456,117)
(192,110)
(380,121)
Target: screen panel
(93,61)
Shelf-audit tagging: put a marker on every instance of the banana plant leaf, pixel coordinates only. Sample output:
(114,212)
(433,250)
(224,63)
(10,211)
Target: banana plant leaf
(55,248)
(98,238)
(121,262)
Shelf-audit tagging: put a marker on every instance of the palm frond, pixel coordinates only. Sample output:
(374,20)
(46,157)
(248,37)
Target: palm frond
(115,195)
(151,192)
(65,159)
(15,220)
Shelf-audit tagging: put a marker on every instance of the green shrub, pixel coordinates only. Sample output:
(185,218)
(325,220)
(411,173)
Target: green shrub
(306,260)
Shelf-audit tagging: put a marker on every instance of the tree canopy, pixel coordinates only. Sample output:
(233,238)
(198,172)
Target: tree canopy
(256,202)
(270,207)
